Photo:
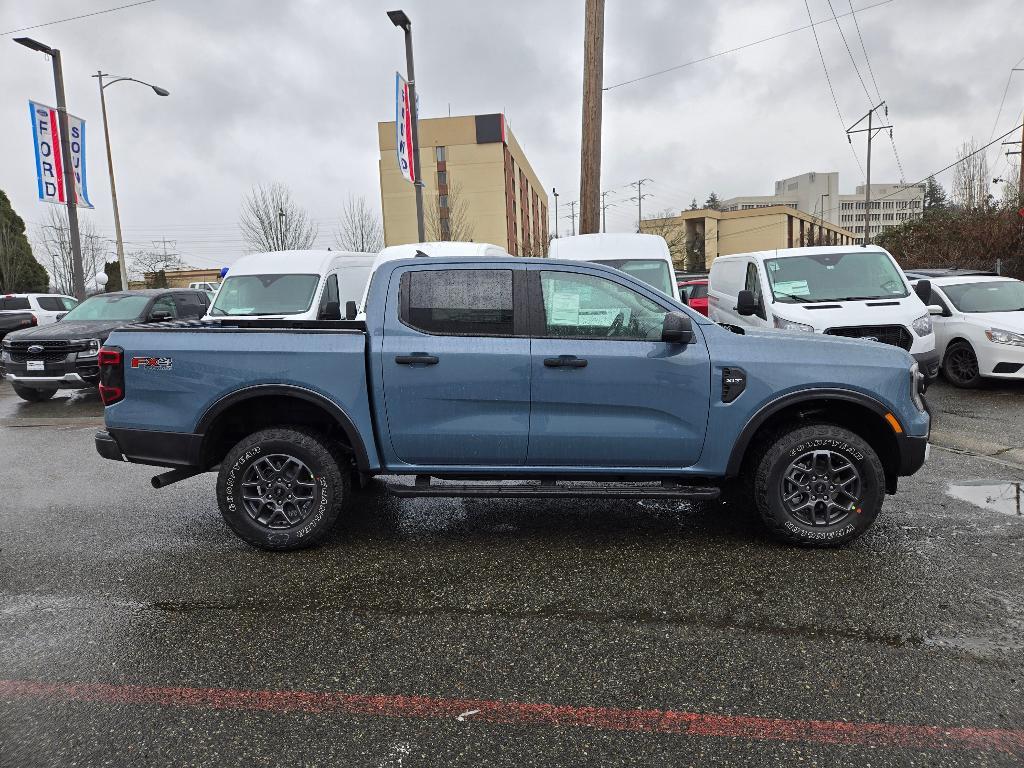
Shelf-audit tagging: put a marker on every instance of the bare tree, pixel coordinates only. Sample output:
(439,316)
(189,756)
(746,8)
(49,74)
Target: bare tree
(11,259)
(448,216)
(151,265)
(55,240)
(271,221)
(360,228)
(673,230)
(970,177)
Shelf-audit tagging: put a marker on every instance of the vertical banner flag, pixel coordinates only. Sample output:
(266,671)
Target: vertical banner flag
(403,128)
(49,158)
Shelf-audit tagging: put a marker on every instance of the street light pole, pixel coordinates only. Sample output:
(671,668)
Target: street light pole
(70,188)
(555,193)
(110,167)
(400,19)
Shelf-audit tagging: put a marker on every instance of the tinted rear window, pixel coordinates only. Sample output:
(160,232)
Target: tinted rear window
(464,302)
(55,303)
(14,302)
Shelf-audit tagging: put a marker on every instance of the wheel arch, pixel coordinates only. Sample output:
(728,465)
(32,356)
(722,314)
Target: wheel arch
(250,409)
(861,414)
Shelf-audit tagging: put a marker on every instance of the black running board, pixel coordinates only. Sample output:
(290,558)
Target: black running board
(551,490)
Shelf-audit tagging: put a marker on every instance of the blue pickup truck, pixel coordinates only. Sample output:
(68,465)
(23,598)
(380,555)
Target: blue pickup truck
(468,373)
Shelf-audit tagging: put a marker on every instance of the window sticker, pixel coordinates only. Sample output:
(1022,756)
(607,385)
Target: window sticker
(565,309)
(793,287)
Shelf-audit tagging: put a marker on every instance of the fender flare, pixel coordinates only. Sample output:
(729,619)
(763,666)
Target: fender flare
(342,419)
(809,396)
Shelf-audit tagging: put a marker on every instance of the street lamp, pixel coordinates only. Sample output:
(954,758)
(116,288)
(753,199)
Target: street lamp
(110,163)
(399,19)
(70,189)
(555,193)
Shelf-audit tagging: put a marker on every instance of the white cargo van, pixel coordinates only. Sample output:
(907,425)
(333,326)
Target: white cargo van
(645,257)
(849,290)
(295,285)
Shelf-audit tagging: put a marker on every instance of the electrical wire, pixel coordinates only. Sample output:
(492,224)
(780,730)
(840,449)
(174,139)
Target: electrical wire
(75,18)
(852,59)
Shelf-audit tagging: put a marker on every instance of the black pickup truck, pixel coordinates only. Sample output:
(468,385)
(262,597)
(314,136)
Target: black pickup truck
(15,321)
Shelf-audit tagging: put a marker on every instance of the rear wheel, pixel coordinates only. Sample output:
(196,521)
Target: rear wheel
(32,394)
(819,486)
(961,365)
(282,489)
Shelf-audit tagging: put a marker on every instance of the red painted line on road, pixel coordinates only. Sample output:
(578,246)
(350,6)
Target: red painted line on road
(521,713)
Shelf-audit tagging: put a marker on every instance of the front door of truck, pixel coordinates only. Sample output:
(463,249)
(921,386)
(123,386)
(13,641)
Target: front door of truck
(607,392)
(456,366)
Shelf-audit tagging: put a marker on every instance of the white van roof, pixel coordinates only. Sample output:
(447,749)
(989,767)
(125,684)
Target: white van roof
(609,245)
(443,248)
(307,261)
(809,250)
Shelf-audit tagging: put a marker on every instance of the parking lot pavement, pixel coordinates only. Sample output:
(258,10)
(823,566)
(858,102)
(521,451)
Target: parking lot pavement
(135,630)
(988,421)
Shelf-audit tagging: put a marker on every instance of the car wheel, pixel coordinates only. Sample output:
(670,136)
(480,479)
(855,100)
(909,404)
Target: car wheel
(282,489)
(819,486)
(960,365)
(32,394)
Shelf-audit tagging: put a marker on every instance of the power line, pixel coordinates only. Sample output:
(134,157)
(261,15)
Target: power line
(738,48)
(828,79)
(852,60)
(76,18)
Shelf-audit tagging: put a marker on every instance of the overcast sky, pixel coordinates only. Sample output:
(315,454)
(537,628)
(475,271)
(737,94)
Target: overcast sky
(292,91)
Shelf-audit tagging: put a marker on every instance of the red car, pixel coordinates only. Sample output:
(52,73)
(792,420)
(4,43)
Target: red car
(696,292)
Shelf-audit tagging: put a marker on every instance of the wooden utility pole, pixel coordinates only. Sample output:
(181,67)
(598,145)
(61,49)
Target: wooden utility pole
(590,153)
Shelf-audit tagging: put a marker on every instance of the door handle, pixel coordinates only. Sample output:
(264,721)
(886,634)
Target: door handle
(416,358)
(565,361)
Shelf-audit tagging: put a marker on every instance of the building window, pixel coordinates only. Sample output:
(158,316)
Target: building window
(439,154)
(442,177)
(442,200)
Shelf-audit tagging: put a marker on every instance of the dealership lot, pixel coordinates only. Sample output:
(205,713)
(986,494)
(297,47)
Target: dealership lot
(133,629)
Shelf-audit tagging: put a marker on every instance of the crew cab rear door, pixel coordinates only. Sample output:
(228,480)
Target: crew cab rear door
(456,365)
(607,391)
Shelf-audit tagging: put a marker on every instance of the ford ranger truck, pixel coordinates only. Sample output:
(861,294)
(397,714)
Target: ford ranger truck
(469,373)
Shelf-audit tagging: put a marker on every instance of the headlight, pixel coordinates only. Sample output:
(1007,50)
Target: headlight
(789,325)
(923,325)
(91,350)
(916,386)
(1000,336)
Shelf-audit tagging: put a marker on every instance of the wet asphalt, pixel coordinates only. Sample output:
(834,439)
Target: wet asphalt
(651,605)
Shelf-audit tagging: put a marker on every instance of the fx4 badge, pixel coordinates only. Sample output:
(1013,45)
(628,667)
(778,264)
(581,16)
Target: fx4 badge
(158,363)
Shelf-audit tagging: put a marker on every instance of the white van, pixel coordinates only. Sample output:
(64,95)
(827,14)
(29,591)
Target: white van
(293,285)
(841,290)
(645,257)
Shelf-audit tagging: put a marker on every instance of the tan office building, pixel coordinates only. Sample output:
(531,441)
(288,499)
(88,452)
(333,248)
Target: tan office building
(478,185)
(758,229)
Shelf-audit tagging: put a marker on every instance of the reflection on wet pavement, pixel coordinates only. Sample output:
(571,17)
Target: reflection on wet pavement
(1000,496)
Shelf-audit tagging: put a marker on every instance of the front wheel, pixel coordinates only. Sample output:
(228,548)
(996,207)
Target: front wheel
(819,486)
(961,366)
(281,489)
(32,394)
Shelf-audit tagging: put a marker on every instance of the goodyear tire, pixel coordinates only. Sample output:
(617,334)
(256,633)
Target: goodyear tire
(281,489)
(32,394)
(818,486)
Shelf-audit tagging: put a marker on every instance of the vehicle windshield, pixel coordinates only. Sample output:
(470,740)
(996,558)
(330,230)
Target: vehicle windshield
(820,277)
(654,272)
(352,283)
(265,295)
(987,296)
(113,307)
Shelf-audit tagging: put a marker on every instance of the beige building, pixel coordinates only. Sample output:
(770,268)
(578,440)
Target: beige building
(177,278)
(755,229)
(478,185)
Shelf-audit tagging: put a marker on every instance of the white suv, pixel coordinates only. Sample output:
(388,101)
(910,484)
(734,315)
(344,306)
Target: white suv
(980,331)
(47,307)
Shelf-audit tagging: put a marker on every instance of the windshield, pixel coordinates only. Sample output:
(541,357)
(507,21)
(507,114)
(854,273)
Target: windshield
(835,277)
(654,272)
(988,296)
(265,295)
(351,284)
(115,307)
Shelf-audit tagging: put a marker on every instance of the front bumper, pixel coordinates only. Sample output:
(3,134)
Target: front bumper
(928,362)
(913,452)
(69,373)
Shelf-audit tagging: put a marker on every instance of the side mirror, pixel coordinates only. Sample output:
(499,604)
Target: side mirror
(935,309)
(159,317)
(351,310)
(746,304)
(683,298)
(677,329)
(332,311)
(923,289)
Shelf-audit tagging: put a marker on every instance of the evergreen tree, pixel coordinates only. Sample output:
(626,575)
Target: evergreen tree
(713,202)
(112,269)
(19,271)
(934,196)
(693,204)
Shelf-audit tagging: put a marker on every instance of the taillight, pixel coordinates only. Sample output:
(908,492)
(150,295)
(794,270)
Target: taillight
(111,362)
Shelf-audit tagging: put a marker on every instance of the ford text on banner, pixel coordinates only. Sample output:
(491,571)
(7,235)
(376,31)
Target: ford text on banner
(49,159)
(403,128)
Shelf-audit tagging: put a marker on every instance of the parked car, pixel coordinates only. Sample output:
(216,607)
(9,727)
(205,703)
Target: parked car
(852,291)
(979,327)
(927,274)
(645,257)
(15,321)
(46,307)
(297,285)
(209,286)
(39,361)
(480,369)
(695,292)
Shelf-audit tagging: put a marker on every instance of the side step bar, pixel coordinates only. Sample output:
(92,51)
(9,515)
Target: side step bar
(550,490)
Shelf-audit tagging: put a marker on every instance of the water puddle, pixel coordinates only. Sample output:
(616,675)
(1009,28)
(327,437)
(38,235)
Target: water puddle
(997,495)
